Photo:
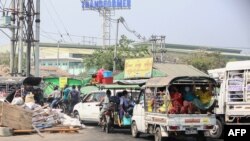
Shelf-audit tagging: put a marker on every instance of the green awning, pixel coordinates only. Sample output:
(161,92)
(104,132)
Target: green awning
(86,81)
(119,76)
(51,82)
(157,73)
(88,89)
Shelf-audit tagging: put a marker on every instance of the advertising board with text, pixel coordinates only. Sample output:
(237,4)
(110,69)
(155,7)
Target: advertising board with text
(63,81)
(138,68)
(110,4)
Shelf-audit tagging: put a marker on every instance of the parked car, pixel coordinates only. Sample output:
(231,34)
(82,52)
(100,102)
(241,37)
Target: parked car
(86,110)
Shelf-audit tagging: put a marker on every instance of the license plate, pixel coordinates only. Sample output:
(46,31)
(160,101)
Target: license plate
(191,131)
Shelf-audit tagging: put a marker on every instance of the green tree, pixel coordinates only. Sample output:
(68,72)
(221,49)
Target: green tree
(104,58)
(204,60)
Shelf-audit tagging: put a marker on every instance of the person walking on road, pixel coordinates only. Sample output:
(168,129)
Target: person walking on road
(74,97)
(66,92)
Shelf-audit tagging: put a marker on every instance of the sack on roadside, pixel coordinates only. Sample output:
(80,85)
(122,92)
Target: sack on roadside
(29,98)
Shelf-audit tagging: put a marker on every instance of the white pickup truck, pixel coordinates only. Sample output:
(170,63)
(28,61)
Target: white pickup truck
(233,98)
(163,125)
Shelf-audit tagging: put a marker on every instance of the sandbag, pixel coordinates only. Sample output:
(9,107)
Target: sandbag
(29,98)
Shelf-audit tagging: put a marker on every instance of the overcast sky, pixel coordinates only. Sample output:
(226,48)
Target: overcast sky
(218,23)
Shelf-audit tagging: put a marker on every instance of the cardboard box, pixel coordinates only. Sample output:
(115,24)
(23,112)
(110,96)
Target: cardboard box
(15,117)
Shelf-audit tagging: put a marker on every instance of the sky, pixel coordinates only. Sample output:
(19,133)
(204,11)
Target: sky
(215,23)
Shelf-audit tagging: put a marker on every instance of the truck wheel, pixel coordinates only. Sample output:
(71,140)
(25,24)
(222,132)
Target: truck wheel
(158,136)
(134,130)
(216,132)
(76,115)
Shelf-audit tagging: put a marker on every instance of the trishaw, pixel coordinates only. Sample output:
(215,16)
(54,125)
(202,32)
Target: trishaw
(111,118)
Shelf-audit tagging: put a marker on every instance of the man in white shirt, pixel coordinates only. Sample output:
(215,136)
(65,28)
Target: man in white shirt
(56,94)
(105,105)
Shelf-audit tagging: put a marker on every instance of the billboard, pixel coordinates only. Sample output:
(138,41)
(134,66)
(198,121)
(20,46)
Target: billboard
(109,4)
(138,68)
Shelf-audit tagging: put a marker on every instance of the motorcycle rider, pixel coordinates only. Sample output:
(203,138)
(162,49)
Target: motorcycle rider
(56,94)
(105,105)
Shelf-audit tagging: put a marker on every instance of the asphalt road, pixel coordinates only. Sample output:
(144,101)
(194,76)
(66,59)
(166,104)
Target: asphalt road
(91,133)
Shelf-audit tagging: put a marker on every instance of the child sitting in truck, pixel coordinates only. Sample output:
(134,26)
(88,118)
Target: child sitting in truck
(164,102)
(177,101)
(205,101)
(204,95)
(188,97)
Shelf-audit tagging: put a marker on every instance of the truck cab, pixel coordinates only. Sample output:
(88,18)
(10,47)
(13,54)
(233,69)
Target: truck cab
(161,118)
(234,97)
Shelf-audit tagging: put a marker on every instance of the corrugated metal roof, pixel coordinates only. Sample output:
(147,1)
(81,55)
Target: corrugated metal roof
(179,70)
(186,80)
(159,81)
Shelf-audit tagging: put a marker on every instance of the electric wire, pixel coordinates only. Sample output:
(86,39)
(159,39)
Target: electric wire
(59,17)
(53,21)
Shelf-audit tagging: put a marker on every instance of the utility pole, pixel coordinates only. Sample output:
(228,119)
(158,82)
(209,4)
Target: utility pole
(20,42)
(12,54)
(58,46)
(116,44)
(37,38)
(29,36)
(163,45)
(155,49)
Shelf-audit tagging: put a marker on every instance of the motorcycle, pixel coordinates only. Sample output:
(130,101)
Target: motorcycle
(108,118)
(58,105)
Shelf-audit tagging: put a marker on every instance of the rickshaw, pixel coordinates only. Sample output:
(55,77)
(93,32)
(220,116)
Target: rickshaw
(111,119)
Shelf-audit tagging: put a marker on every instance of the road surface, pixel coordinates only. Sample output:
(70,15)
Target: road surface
(91,133)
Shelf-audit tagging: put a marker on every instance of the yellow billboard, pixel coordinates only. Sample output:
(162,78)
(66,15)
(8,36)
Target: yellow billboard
(63,81)
(138,68)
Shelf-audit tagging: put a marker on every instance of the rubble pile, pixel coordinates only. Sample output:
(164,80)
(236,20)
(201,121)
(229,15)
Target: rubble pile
(45,117)
(31,117)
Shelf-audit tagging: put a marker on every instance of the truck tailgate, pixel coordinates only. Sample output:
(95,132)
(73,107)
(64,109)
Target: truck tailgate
(182,122)
(191,120)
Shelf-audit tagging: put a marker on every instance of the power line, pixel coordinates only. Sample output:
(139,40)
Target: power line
(54,22)
(59,17)
(2,4)
(122,20)
(73,35)
(5,33)
(48,37)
